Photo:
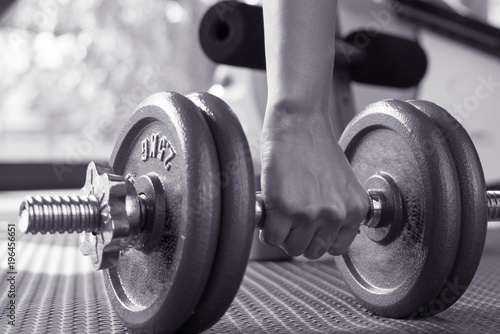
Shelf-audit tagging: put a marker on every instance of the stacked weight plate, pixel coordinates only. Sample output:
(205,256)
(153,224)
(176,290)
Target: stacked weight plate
(429,263)
(196,150)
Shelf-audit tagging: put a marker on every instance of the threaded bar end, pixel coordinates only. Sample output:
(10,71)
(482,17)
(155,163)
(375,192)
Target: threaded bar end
(493,197)
(59,214)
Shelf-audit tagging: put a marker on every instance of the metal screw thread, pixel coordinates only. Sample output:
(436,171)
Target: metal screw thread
(59,214)
(493,197)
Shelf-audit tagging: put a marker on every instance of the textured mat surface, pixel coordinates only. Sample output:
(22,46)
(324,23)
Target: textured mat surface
(57,291)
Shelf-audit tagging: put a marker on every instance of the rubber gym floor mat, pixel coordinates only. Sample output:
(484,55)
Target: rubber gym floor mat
(58,291)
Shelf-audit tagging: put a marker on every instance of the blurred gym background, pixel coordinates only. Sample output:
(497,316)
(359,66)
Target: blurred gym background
(71,72)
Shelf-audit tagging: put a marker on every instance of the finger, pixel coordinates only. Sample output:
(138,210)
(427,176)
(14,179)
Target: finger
(320,243)
(298,239)
(276,228)
(344,239)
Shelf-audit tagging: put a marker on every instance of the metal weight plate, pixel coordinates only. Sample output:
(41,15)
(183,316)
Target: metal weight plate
(401,276)
(156,288)
(473,203)
(237,213)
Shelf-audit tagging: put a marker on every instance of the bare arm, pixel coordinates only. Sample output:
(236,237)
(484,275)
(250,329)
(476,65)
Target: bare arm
(300,51)
(314,202)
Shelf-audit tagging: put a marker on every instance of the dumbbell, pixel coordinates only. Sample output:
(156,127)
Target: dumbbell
(170,220)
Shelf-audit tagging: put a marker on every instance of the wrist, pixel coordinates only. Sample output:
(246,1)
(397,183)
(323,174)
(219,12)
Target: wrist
(290,118)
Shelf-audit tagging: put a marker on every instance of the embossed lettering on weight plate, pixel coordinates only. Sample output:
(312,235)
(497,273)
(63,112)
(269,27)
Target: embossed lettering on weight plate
(156,147)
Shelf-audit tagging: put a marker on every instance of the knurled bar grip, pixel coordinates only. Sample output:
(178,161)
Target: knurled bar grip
(372,217)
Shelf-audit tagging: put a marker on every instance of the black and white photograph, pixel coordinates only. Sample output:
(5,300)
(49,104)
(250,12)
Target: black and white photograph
(249,166)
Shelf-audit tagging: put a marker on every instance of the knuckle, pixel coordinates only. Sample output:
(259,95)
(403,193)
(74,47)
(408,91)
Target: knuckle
(284,208)
(331,212)
(341,213)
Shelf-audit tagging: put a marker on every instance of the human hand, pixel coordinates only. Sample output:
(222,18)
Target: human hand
(314,203)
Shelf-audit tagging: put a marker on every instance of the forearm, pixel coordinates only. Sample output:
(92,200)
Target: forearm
(314,202)
(300,50)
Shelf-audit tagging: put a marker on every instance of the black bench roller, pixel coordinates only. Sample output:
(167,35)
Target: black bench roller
(232,33)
